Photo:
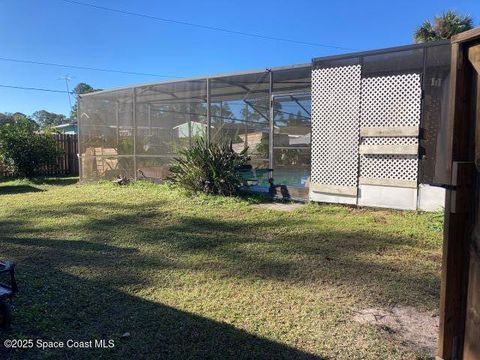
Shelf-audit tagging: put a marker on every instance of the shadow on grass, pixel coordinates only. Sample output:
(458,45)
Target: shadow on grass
(18,189)
(255,197)
(43,180)
(55,305)
(57,181)
(259,248)
(77,288)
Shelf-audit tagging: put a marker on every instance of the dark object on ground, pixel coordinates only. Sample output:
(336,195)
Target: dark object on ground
(272,190)
(142,176)
(7,291)
(121,180)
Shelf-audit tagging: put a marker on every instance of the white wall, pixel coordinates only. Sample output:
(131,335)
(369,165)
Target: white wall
(387,197)
(425,198)
(430,198)
(335,199)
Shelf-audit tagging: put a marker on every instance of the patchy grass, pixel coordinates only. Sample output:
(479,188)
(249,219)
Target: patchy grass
(209,277)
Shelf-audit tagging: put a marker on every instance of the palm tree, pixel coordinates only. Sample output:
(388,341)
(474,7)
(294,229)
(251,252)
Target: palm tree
(443,27)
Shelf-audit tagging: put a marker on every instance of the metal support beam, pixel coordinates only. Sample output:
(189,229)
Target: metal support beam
(79,127)
(245,141)
(219,121)
(134,119)
(117,124)
(190,125)
(271,120)
(209,115)
(300,104)
(149,110)
(256,110)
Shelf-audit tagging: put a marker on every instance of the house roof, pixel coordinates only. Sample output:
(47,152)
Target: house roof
(65,125)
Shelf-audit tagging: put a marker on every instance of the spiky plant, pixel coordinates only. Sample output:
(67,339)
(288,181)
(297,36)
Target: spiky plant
(443,27)
(212,169)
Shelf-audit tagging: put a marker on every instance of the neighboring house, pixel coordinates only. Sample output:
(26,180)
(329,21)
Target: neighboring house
(300,140)
(198,129)
(294,135)
(68,129)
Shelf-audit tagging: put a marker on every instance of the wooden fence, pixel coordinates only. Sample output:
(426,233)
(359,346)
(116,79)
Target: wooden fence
(66,164)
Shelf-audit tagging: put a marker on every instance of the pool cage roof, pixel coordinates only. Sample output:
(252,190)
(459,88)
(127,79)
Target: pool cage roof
(230,86)
(289,78)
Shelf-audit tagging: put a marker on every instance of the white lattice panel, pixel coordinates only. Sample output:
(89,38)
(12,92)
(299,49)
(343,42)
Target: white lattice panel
(390,101)
(386,140)
(335,124)
(397,167)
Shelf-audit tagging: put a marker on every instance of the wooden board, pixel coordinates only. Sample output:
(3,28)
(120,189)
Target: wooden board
(388,182)
(458,207)
(390,131)
(471,349)
(334,189)
(389,149)
(472,319)
(474,57)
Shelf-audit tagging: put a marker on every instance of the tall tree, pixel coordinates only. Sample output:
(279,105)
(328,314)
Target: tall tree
(80,89)
(9,118)
(6,118)
(443,27)
(46,119)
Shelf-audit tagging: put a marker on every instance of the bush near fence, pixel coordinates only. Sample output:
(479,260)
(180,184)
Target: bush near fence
(66,164)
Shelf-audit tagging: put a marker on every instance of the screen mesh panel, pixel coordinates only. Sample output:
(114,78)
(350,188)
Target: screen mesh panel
(138,131)
(433,168)
(291,140)
(240,114)
(335,121)
(406,61)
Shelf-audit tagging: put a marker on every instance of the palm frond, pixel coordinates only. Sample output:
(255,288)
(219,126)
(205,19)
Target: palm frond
(443,27)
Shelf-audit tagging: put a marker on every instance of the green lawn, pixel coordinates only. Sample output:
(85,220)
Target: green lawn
(209,277)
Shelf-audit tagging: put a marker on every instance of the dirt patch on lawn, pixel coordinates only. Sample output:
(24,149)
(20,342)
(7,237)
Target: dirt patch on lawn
(280,206)
(417,330)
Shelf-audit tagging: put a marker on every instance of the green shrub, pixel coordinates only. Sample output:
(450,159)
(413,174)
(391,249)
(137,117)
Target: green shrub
(23,149)
(211,169)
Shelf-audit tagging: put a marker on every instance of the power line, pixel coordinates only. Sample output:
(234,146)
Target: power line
(84,67)
(35,89)
(207,27)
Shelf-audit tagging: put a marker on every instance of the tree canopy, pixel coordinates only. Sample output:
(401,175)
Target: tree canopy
(80,89)
(12,118)
(443,27)
(46,119)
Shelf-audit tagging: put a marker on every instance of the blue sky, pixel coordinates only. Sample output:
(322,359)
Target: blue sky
(60,32)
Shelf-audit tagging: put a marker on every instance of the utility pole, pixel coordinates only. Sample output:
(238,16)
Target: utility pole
(67,78)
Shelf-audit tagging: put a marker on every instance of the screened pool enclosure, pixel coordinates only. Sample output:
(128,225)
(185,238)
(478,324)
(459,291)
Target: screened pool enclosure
(358,128)
(137,131)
